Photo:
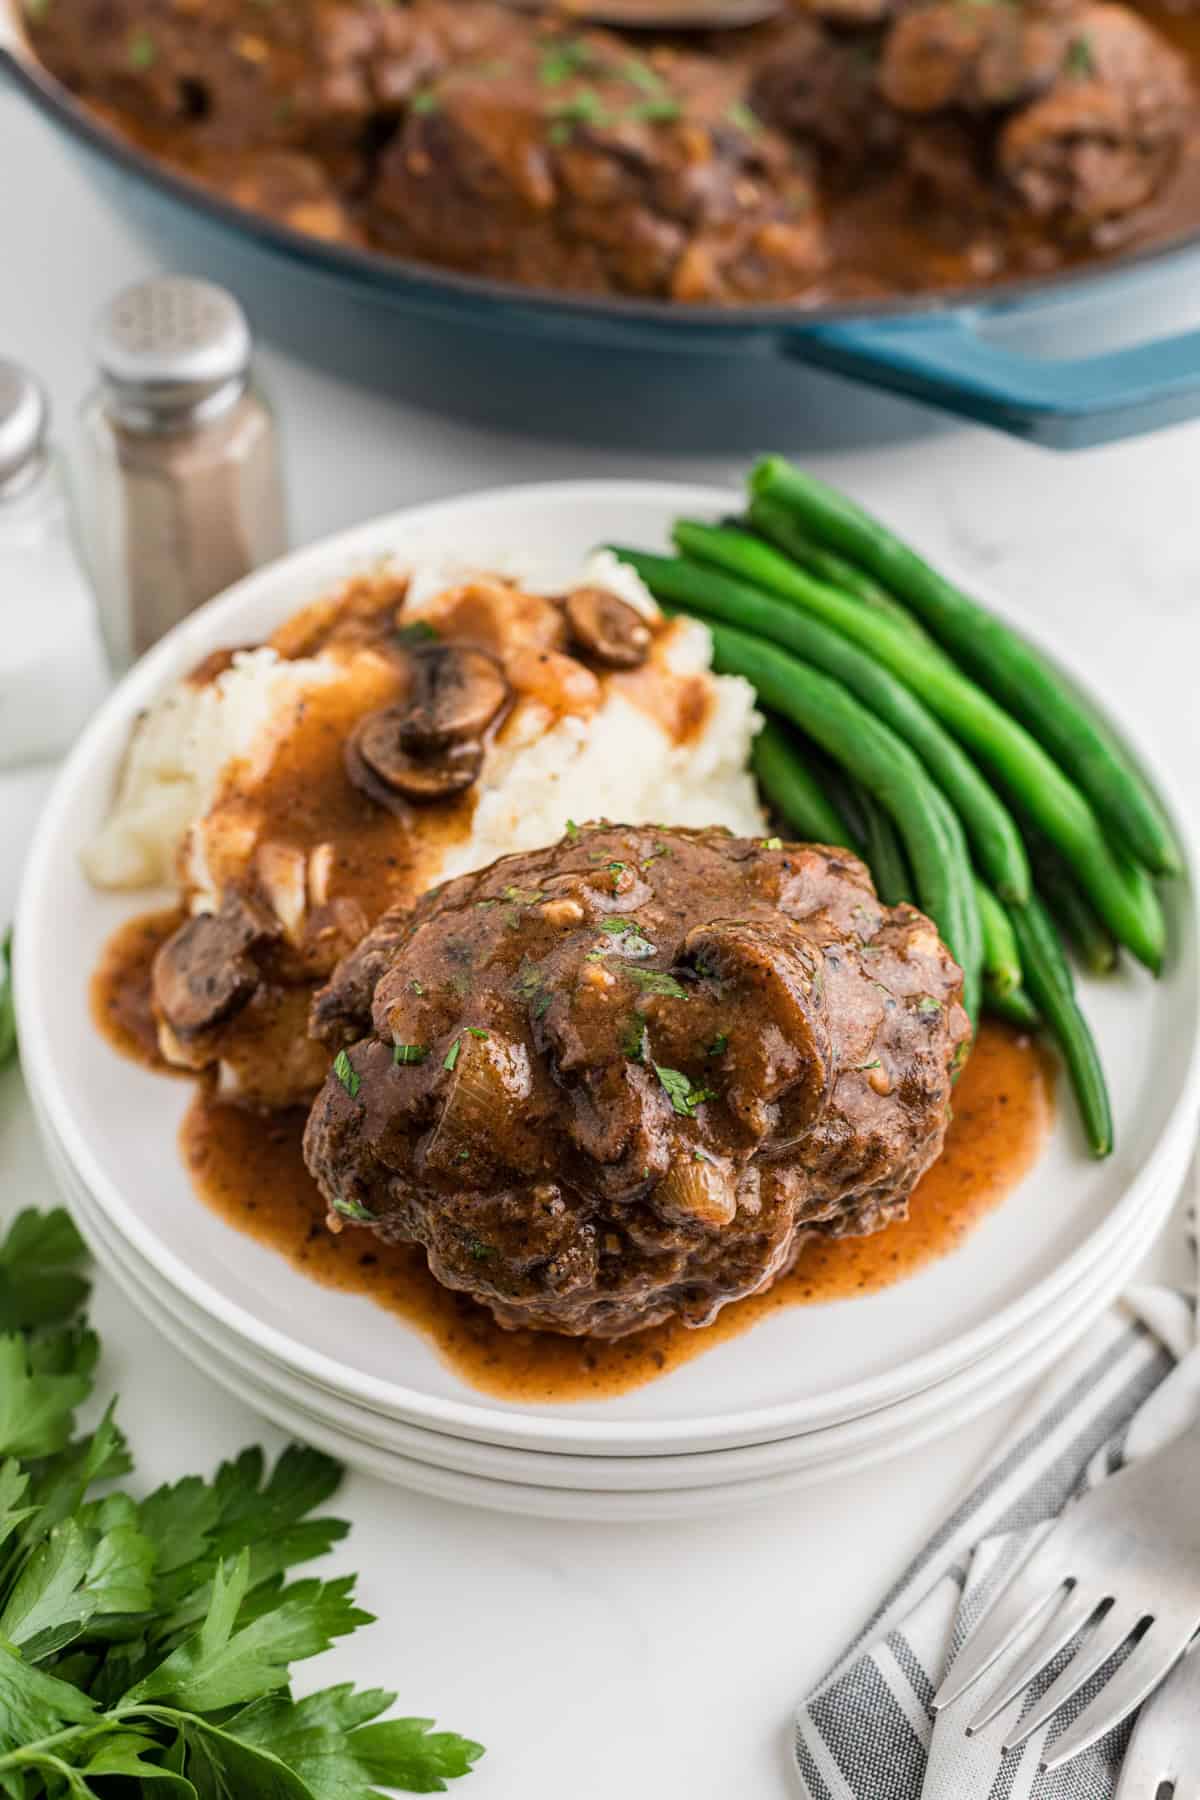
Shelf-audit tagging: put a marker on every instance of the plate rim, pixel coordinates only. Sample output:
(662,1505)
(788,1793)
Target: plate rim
(335,557)
(957,1388)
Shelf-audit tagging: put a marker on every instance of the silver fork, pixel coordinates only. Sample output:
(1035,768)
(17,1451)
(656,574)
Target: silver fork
(1164,1753)
(1120,1570)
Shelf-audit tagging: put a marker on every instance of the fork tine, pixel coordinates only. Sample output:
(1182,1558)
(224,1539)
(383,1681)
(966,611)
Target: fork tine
(1037,1582)
(1149,1662)
(1104,1641)
(1148,1762)
(1066,1623)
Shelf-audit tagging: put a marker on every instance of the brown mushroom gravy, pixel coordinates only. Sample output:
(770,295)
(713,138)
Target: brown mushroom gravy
(250,1170)
(850,149)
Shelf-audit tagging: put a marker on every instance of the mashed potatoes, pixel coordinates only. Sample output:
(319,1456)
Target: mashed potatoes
(602,746)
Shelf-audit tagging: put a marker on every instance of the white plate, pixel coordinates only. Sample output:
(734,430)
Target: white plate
(283,1398)
(528,1497)
(797,1370)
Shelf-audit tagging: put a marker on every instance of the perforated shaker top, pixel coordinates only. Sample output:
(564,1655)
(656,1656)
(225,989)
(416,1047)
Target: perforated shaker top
(172,331)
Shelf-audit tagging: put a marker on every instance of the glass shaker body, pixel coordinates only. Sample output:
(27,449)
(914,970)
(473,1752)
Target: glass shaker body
(175,509)
(52,672)
(181,492)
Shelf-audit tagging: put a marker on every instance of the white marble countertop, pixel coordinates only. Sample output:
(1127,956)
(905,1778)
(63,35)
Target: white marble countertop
(661,1661)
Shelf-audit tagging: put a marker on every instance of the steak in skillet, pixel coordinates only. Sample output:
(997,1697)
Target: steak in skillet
(623,1079)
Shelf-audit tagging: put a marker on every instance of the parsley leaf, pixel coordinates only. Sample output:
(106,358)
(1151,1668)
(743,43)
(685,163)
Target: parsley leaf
(658,981)
(39,1280)
(684,1097)
(628,937)
(152,1640)
(409,1053)
(41,1384)
(347,1074)
(331,1740)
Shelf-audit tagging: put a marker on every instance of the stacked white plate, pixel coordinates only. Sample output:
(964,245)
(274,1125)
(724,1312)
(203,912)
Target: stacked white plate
(807,1394)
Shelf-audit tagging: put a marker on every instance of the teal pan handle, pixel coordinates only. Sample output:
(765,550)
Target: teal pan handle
(1065,404)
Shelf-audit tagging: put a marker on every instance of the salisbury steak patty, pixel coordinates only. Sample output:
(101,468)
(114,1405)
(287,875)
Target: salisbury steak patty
(623,1078)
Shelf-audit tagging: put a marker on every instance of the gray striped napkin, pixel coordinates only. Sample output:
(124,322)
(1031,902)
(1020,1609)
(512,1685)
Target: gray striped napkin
(868,1732)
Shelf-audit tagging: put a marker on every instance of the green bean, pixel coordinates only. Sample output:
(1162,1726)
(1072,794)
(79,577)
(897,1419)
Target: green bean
(775,523)
(1120,889)
(1012,669)
(793,790)
(1053,991)
(829,714)
(883,852)
(1015,1008)
(1073,912)
(992,830)
(1001,958)
(969,929)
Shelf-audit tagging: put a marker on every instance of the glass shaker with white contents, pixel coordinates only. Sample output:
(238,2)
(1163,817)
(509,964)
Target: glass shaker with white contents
(181,492)
(52,672)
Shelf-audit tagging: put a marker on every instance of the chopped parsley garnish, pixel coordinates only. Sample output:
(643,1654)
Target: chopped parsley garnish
(628,939)
(658,981)
(477,1250)
(572,829)
(873,1064)
(530,986)
(353,1209)
(418,987)
(633,1040)
(616,868)
(417,631)
(643,76)
(772,843)
(584,108)
(663,111)
(683,1095)
(739,114)
(927,1004)
(347,1074)
(452,1055)
(719,1044)
(477,1031)
(522,896)
(1080,60)
(659,850)
(409,1053)
(462,1156)
(421,105)
(561,61)
(142,50)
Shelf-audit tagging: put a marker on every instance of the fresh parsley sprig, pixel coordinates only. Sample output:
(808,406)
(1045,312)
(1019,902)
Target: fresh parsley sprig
(150,1641)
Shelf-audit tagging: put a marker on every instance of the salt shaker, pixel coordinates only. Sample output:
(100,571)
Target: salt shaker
(52,671)
(181,491)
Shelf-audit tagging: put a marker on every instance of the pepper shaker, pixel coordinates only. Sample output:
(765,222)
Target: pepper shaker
(182,492)
(52,670)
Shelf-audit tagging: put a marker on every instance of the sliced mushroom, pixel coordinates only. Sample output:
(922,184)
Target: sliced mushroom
(204,973)
(379,763)
(607,629)
(455,695)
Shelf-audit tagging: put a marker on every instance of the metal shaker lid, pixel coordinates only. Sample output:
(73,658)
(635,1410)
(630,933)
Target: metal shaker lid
(23,416)
(172,343)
